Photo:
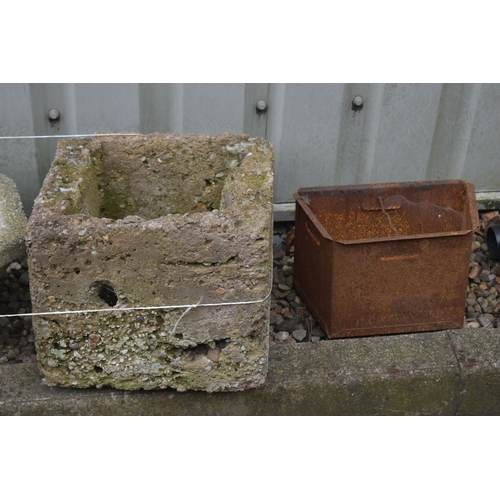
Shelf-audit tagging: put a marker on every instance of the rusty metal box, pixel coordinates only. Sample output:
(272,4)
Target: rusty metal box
(384,258)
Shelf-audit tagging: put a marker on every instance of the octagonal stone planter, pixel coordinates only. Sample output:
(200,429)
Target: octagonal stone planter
(150,221)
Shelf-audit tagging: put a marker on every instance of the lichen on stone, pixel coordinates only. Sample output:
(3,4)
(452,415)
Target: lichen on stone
(149,221)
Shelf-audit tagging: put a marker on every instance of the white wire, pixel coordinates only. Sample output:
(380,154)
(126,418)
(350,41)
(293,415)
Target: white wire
(64,136)
(141,308)
(184,314)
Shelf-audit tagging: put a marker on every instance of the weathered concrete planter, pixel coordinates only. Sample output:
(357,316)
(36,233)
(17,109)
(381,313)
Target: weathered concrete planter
(154,220)
(12,222)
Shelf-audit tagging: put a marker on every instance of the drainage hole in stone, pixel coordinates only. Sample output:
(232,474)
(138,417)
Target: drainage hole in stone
(222,343)
(107,294)
(77,270)
(97,369)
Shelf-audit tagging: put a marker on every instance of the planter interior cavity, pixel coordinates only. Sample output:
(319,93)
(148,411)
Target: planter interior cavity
(151,221)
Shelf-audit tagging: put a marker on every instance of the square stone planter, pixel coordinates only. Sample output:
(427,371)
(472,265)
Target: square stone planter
(152,221)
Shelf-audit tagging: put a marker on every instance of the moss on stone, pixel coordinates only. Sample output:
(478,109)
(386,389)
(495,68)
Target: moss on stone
(101,228)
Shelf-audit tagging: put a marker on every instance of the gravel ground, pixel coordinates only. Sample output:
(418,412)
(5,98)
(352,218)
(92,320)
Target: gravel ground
(17,342)
(291,321)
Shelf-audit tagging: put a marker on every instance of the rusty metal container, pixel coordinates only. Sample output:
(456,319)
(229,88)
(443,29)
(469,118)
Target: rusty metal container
(384,258)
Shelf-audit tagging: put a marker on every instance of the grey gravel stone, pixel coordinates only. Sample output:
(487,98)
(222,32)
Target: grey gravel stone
(299,335)
(470,312)
(485,275)
(281,336)
(14,266)
(470,301)
(484,322)
(289,325)
(29,348)
(473,324)
(24,279)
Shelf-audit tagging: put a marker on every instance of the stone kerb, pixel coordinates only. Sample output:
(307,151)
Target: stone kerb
(12,222)
(150,221)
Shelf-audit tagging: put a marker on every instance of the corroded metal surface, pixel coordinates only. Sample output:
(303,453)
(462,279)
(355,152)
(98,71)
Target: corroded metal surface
(384,258)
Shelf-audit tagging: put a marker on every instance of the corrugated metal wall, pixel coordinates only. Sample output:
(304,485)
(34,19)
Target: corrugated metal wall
(402,132)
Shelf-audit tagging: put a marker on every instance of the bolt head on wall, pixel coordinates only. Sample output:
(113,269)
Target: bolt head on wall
(54,114)
(261,105)
(357,101)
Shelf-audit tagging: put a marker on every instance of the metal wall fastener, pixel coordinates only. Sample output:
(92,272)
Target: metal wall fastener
(261,105)
(357,101)
(54,114)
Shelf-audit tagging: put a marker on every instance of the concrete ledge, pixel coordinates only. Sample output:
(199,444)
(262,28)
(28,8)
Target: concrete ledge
(284,211)
(488,200)
(441,373)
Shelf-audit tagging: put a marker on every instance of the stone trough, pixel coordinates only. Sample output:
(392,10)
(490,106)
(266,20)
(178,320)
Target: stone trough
(154,222)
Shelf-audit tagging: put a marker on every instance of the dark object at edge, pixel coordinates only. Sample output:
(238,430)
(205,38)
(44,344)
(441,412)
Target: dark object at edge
(493,242)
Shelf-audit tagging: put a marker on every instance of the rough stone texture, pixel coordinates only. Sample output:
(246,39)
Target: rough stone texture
(12,222)
(154,220)
(411,374)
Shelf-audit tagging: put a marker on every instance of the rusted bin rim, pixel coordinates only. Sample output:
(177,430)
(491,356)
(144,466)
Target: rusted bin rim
(301,198)
(398,238)
(326,235)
